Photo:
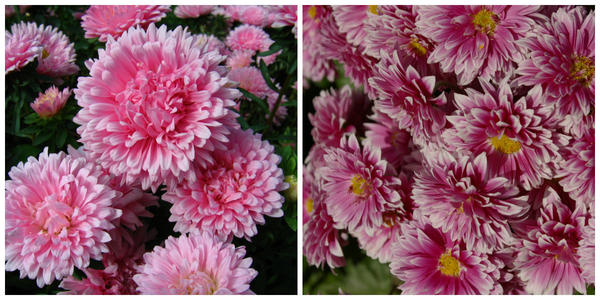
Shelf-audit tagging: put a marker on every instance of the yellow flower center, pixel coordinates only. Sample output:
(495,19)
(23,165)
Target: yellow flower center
(417,48)
(484,21)
(449,265)
(359,185)
(309,205)
(45,53)
(583,70)
(373,9)
(505,144)
(312,11)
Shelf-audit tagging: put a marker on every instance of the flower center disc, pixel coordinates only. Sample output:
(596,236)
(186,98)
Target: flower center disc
(373,9)
(583,70)
(417,48)
(359,185)
(309,205)
(505,144)
(484,21)
(449,265)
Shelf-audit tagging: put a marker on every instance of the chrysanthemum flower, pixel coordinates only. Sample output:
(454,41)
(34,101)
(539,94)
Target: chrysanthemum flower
(283,15)
(561,59)
(396,144)
(519,137)
(192,11)
(351,19)
(359,186)
(22,46)
(102,21)
(337,112)
(58,214)
(315,66)
(153,106)
(240,59)
(321,239)
(235,194)
(197,264)
(407,97)
(463,198)
(248,14)
(58,54)
(50,102)
(475,41)
(586,250)
(577,170)
(547,259)
(429,262)
(248,37)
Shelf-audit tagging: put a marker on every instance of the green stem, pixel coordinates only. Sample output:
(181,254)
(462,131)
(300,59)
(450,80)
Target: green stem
(283,91)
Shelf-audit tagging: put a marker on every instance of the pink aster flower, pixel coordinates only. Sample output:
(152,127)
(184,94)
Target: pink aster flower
(351,19)
(102,21)
(561,59)
(478,40)
(234,195)
(519,137)
(154,106)
(586,251)
(192,11)
(50,102)
(248,14)
(22,46)
(577,169)
(322,243)
(58,214)
(248,37)
(392,27)
(337,112)
(199,264)
(429,262)
(547,258)
(407,97)
(283,15)
(58,54)
(240,59)
(359,186)
(210,43)
(463,198)
(250,79)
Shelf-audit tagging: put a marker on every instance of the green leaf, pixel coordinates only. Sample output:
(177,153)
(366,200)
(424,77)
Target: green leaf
(243,123)
(290,103)
(31,118)
(293,67)
(61,138)
(273,49)
(265,73)
(42,137)
(263,105)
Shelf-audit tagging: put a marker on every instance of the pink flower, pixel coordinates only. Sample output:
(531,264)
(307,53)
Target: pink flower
(429,262)
(248,37)
(22,46)
(359,186)
(198,264)
(475,41)
(154,106)
(240,59)
(58,55)
(248,14)
(407,97)
(586,251)
(577,170)
(9,10)
(519,137)
(462,197)
(283,15)
(547,259)
(321,240)
(561,59)
(210,43)
(315,66)
(192,11)
(337,112)
(350,20)
(58,214)
(102,21)
(250,79)
(392,27)
(234,195)
(50,102)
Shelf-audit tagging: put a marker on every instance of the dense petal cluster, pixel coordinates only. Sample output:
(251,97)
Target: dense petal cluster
(198,264)
(50,102)
(192,11)
(102,21)
(22,46)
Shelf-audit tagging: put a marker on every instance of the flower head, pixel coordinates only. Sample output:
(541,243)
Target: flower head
(102,21)
(192,11)
(561,59)
(58,54)
(256,15)
(50,102)
(234,195)
(358,185)
(248,37)
(154,106)
(475,41)
(58,214)
(22,46)
(577,169)
(199,264)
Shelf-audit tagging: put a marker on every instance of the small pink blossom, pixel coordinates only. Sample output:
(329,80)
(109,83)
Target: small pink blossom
(50,102)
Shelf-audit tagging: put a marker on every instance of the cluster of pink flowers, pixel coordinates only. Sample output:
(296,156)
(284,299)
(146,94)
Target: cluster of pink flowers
(156,114)
(462,152)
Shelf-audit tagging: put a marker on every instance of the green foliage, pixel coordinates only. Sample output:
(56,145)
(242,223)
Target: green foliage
(273,250)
